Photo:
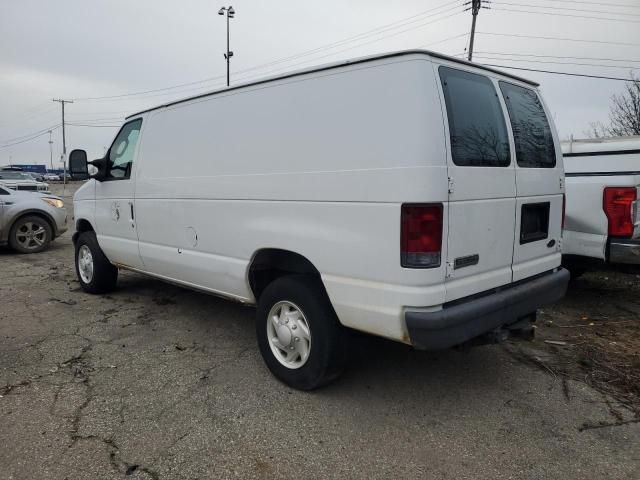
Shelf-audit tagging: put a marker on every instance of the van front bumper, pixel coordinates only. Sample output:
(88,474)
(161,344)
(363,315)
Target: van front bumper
(624,251)
(462,321)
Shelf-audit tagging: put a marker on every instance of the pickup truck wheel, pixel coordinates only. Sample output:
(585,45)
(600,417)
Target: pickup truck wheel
(30,234)
(95,273)
(299,335)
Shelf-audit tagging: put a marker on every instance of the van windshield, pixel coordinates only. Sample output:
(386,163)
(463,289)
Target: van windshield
(531,130)
(477,127)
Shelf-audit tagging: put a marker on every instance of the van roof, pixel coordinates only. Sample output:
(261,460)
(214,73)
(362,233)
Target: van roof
(339,64)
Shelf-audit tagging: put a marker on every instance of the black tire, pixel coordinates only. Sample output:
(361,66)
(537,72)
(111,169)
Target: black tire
(105,275)
(328,352)
(24,227)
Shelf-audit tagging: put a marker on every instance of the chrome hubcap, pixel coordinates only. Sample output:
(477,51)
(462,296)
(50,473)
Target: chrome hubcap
(289,334)
(31,235)
(85,264)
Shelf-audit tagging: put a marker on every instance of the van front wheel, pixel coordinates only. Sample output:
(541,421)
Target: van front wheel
(299,335)
(93,269)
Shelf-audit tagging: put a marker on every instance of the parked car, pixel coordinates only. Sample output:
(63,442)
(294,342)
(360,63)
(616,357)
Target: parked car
(35,176)
(412,196)
(52,177)
(17,180)
(602,217)
(29,222)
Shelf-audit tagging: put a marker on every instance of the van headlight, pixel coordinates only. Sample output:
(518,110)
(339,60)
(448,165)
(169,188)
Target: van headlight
(54,202)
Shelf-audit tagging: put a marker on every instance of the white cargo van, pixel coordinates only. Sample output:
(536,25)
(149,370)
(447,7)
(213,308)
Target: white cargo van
(410,195)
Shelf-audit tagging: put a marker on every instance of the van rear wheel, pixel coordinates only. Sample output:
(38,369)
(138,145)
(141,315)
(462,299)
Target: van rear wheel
(93,269)
(299,335)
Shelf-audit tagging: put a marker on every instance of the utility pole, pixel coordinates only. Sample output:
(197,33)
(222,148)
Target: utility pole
(230,12)
(64,146)
(64,141)
(50,150)
(475,8)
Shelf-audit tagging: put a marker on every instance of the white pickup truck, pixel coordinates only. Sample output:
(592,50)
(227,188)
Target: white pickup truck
(602,222)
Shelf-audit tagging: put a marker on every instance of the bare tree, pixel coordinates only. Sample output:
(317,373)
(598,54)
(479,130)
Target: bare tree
(624,113)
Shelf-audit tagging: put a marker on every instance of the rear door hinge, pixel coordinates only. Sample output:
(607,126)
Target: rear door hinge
(561,184)
(449,272)
(450,185)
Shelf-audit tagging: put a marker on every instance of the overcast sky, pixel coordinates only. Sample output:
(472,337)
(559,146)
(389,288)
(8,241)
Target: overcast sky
(76,49)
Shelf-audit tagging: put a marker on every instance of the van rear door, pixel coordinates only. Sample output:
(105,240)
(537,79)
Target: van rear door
(539,183)
(482,184)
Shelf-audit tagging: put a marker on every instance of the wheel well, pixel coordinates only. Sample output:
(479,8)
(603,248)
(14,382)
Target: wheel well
(82,225)
(272,263)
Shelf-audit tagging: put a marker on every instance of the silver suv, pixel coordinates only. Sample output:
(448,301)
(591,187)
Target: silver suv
(29,221)
(17,180)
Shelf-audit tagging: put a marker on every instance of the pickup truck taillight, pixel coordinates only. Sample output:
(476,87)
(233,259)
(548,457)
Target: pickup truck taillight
(618,204)
(420,235)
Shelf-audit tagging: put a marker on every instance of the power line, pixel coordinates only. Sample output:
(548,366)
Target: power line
(29,115)
(562,63)
(558,38)
(444,40)
(605,4)
(30,134)
(559,73)
(566,8)
(251,77)
(26,139)
(289,67)
(97,120)
(372,32)
(263,74)
(93,125)
(565,15)
(360,36)
(558,56)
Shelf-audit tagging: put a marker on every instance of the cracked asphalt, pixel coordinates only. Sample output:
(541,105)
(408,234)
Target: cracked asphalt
(159,382)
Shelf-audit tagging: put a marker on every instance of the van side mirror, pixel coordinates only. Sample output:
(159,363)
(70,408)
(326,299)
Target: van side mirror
(100,169)
(78,165)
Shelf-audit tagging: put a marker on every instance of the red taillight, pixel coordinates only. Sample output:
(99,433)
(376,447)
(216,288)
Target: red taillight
(618,204)
(421,236)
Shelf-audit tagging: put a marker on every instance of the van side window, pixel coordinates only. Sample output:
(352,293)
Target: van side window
(476,123)
(531,131)
(122,150)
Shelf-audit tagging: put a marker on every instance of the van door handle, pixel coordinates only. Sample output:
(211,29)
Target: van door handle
(131,218)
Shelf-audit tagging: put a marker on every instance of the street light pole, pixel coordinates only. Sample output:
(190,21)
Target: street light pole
(229,12)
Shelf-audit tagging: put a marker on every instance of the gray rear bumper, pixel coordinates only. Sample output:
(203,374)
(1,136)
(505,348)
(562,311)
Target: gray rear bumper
(624,251)
(466,320)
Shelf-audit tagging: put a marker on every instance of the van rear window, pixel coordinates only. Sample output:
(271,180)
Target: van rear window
(476,122)
(531,131)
